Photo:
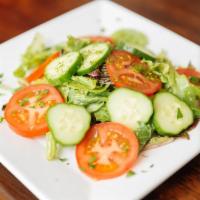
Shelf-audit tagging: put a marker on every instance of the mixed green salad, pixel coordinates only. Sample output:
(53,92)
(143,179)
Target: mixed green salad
(110,96)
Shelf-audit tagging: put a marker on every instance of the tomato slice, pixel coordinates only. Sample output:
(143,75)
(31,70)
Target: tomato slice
(108,150)
(27,108)
(100,39)
(120,66)
(189,72)
(39,72)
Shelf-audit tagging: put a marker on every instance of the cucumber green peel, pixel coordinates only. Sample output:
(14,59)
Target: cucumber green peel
(171,115)
(61,69)
(93,56)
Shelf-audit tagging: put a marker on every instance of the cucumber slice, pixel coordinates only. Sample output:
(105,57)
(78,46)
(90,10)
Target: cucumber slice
(129,107)
(141,53)
(68,123)
(62,68)
(171,115)
(94,55)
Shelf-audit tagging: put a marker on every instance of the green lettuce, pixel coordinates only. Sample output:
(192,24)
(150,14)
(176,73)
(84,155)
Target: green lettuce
(130,37)
(102,114)
(87,82)
(144,134)
(84,91)
(75,44)
(35,54)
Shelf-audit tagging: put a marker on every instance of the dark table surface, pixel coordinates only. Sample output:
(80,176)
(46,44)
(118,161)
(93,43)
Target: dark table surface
(181,16)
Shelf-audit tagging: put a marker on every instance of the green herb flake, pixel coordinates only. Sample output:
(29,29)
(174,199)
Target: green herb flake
(130,173)
(62,159)
(1,75)
(179,114)
(102,29)
(194,80)
(185,135)
(3,107)
(91,161)
(41,104)
(41,93)
(151,166)
(82,169)
(144,171)
(1,119)
(23,101)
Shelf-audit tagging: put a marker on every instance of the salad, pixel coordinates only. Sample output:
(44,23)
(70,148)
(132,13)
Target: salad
(110,97)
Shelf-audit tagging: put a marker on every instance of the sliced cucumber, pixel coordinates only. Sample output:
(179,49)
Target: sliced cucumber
(171,115)
(62,68)
(68,123)
(129,107)
(141,53)
(94,55)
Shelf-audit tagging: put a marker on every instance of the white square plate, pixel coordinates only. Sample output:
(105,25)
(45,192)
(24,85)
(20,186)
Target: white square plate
(57,181)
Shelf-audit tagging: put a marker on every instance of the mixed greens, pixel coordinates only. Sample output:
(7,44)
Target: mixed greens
(91,87)
(93,80)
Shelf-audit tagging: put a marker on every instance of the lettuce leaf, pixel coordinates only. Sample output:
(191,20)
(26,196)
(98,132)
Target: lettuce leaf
(144,134)
(35,54)
(102,114)
(84,91)
(89,83)
(75,44)
(130,37)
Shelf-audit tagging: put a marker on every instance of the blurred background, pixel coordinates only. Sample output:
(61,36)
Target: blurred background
(181,16)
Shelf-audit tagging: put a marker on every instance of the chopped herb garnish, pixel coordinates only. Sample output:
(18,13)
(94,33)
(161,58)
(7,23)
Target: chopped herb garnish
(3,107)
(194,80)
(151,166)
(91,165)
(144,171)
(82,169)
(41,93)
(63,159)
(23,101)
(185,135)
(179,114)
(91,161)
(41,104)
(102,29)
(130,173)
(1,119)
(1,75)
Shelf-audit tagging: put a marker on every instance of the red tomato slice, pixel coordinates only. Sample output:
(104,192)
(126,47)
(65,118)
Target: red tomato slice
(120,65)
(108,150)
(100,39)
(26,110)
(189,72)
(39,72)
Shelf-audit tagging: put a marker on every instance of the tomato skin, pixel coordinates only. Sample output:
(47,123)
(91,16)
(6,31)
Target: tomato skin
(188,72)
(25,129)
(103,129)
(120,67)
